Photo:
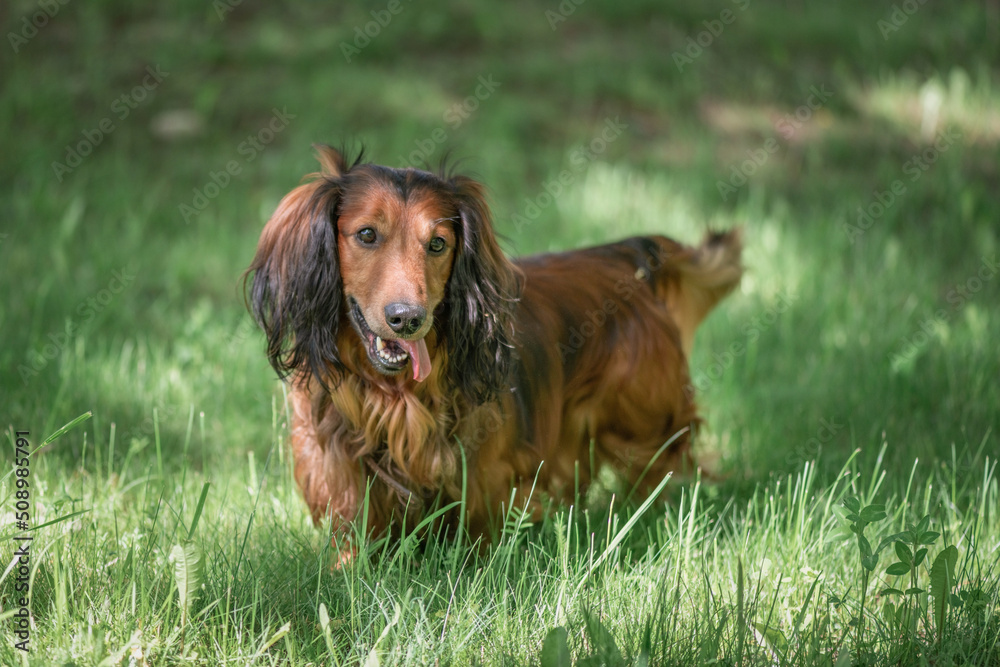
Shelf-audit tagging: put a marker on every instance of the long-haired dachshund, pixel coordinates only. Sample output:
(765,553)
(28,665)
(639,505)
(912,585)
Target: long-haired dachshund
(424,366)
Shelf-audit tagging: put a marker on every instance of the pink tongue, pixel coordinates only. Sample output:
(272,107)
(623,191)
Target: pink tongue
(417,349)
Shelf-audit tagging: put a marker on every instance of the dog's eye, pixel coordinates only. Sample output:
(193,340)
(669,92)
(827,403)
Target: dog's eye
(437,245)
(367,236)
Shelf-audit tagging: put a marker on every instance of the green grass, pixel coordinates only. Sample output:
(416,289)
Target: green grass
(867,365)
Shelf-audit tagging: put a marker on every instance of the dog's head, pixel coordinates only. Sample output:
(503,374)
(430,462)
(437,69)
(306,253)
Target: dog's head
(397,253)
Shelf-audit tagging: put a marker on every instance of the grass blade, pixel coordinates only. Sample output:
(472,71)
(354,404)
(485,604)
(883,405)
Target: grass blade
(198,509)
(68,427)
(624,531)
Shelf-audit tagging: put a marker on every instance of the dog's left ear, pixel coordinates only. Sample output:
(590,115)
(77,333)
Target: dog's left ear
(482,291)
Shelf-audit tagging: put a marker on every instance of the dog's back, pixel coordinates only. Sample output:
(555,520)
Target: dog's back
(602,340)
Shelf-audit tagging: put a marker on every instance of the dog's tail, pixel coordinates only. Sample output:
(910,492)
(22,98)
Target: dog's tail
(700,277)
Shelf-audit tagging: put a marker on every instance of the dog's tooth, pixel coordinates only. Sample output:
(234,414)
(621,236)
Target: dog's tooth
(379,344)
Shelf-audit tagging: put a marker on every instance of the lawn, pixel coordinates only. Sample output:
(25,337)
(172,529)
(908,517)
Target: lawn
(851,386)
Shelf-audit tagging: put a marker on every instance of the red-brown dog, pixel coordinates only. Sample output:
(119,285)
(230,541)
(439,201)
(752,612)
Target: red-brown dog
(415,349)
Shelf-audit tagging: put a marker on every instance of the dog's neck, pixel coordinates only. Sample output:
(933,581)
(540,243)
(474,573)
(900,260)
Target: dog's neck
(404,427)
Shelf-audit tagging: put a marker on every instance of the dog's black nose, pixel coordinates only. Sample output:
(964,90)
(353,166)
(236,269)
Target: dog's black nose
(405,319)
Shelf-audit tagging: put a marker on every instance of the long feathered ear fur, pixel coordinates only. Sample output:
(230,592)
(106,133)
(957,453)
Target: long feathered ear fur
(482,291)
(295,291)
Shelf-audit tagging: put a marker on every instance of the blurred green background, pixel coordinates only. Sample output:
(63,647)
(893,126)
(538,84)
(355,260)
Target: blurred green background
(784,117)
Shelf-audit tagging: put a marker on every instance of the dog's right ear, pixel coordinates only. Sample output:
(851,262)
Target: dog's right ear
(293,285)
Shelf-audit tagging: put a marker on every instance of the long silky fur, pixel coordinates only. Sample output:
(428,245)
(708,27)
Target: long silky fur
(420,448)
(482,292)
(294,284)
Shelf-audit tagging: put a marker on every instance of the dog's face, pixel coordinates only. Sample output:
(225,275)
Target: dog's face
(396,244)
(396,253)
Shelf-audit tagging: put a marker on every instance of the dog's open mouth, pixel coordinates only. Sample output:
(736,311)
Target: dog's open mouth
(390,355)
